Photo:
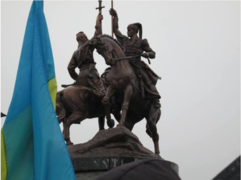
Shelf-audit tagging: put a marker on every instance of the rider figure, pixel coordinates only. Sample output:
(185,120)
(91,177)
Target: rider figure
(136,46)
(83,59)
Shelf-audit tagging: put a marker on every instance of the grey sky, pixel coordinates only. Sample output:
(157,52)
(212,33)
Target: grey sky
(197,48)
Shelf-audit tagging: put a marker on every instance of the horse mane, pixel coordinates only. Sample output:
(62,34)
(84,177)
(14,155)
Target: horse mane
(108,36)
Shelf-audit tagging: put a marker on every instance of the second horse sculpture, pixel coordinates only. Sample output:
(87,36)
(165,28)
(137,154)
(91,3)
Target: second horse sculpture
(123,85)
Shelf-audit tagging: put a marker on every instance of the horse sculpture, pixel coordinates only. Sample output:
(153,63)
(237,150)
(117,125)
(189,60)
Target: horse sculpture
(76,103)
(123,85)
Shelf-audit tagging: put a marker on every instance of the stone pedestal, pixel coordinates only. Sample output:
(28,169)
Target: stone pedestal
(106,150)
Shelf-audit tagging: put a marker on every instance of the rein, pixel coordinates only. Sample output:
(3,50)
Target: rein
(131,57)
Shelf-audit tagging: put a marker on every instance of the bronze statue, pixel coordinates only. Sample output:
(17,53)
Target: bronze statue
(82,99)
(128,86)
(135,46)
(83,59)
(123,85)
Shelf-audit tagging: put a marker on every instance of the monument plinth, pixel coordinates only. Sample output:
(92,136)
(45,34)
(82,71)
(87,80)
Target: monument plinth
(109,149)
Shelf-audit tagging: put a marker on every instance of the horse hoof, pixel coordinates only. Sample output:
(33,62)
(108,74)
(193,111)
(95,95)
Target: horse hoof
(157,153)
(111,123)
(120,125)
(101,129)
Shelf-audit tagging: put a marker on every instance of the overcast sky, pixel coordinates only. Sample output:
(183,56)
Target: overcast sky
(197,47)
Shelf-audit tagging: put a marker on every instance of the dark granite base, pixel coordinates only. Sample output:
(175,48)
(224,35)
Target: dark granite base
(109,149)
(89,168)
(88,175)
(107,163)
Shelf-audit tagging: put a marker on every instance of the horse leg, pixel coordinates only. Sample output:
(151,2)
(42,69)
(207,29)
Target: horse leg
(106,103)
(152,119)
(75,117)
(147,127)
(148,130)
(129,124)
(117,115)
(101,121)
(125,104)
(66,127)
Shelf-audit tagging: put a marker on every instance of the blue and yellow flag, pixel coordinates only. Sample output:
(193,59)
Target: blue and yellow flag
(32,146)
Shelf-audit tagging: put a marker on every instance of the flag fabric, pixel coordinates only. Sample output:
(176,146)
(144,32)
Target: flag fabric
(32,145)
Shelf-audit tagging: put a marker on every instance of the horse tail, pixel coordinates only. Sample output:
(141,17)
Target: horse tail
(60,110)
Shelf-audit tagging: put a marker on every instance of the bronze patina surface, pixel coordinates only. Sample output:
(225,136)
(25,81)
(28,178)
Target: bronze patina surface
(126,89)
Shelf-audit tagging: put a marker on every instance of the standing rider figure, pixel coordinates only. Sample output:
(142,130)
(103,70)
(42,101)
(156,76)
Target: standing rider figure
(134,46)
(83,59)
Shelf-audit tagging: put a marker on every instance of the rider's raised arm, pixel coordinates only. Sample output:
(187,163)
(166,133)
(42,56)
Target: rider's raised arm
(146,47)
(98,26)
(120,37)
(71,67)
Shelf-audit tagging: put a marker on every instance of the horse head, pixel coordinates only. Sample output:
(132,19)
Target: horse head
(108,48)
